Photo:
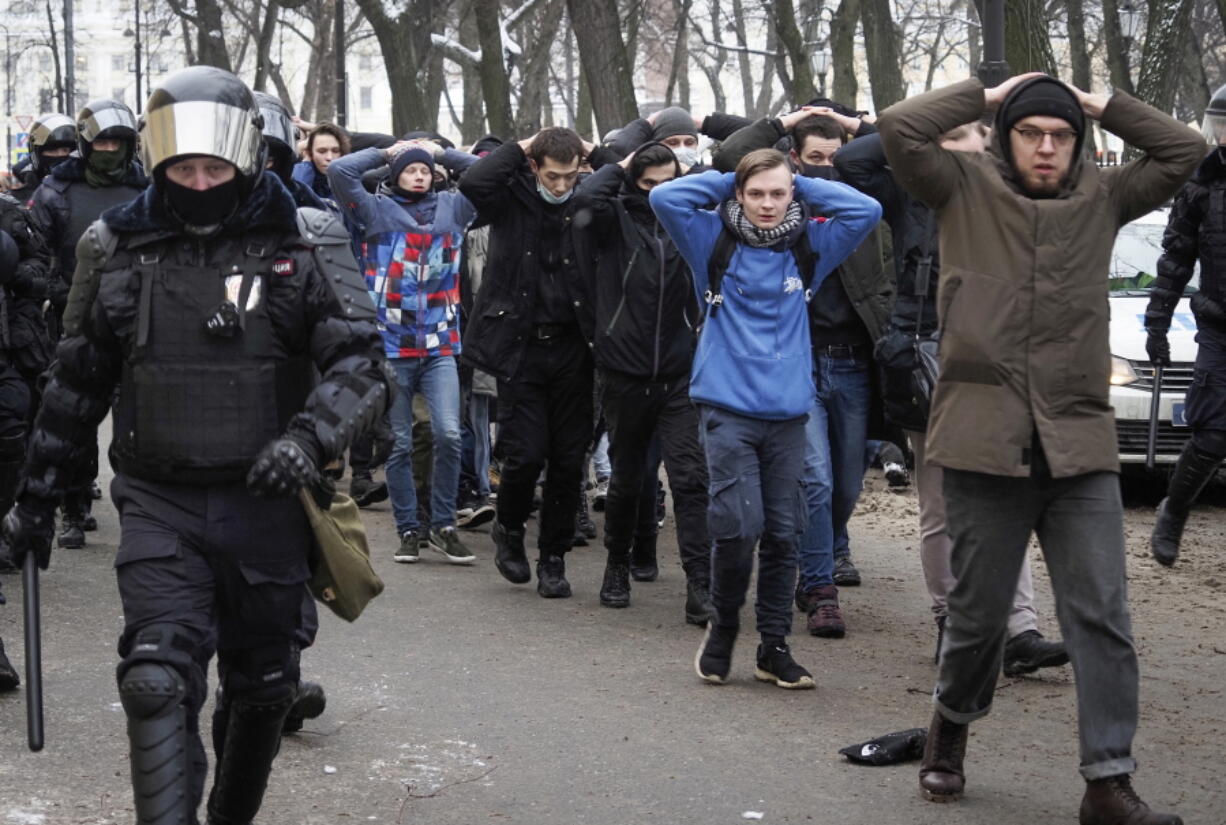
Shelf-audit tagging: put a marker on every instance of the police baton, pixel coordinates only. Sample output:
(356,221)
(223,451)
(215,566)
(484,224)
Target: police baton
(34,655)
(1151,447)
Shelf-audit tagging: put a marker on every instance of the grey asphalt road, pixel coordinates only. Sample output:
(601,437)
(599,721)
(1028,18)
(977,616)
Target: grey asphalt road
(459,698)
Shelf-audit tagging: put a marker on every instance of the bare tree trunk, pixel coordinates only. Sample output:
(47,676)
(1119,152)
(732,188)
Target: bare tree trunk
(800,84)
(1194,92)
(210,35)
(263,49)
(604,57)
(534,88)
(1165,37)
(844,87)
(681,54)
(884,52)
(762,107)
(1118,62)
(743,58)
(495,84)
(55,56)
(974,37)
(1027,40)
(1221,10)
(1079,53)
(473,125)
(407,55)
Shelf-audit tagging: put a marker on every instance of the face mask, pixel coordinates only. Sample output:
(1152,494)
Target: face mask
(104,168)
(687,156)
(808,170)
(551,198)
(51,163)
(208,208)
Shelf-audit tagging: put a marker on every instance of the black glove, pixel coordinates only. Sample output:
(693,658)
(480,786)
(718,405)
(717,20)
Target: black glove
(1157,347)
(224,322)
(282,468)
(28,528)
(57,293)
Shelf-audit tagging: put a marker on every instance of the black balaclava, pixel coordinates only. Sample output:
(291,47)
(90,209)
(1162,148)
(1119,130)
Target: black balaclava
(810,170)
(207,208)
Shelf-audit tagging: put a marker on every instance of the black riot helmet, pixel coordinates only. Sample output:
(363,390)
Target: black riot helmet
(1214,125)
(279,134)
(105,118)
(203,110)
(50,131)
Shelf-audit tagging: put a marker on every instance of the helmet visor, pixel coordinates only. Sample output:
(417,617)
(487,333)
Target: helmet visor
(92,126)
(53,129)
(1214,129)
(277,126)
(201,127)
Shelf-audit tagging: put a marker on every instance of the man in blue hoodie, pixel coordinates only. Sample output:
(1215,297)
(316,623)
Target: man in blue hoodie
(412,262)
(752,378)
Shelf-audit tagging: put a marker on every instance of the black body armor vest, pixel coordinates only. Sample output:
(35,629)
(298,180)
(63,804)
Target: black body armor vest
(85,205)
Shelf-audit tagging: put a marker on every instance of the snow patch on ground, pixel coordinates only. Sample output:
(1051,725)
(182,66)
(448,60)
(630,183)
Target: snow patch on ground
(23,816)
(427,767)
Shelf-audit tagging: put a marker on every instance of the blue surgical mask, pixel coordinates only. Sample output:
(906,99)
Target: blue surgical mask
(551,198)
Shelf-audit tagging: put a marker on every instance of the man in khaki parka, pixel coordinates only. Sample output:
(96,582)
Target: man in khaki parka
(1020,420)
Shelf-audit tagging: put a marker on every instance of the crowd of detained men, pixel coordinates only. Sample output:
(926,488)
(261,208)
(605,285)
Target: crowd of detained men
(740,301)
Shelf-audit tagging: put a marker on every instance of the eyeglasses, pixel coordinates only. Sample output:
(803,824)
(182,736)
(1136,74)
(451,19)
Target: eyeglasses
(1059,138)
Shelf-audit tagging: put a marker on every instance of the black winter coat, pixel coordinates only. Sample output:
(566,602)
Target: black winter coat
(23,332)
(503,189)
(1196,232)
(646,308)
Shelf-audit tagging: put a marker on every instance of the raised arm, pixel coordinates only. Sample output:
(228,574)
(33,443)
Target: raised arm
(486,182)
(850,217)
(862,164)
(683,206)
(345,176)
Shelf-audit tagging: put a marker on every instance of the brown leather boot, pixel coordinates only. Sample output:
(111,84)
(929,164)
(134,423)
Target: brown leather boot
(1112,801)
(941,776)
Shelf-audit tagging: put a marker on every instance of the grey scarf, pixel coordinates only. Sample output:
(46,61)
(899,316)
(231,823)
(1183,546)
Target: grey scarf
(746,232)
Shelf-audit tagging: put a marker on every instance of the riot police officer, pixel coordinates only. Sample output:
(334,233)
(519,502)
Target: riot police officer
(280,140)
(1195,230)
(53,136)
(103,173)
(210,301)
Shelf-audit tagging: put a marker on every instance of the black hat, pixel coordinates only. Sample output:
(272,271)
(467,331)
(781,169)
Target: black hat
(1045,97)
(413,154)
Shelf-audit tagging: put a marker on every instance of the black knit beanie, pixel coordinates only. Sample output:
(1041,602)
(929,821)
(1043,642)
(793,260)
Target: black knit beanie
(1044,97)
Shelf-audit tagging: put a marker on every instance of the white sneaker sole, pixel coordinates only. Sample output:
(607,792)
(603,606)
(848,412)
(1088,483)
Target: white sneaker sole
(709,678)
(406,559)
(804,683)
(469,559)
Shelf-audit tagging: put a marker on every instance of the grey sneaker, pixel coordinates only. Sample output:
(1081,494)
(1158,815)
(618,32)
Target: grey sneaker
(446,540)
(410,546)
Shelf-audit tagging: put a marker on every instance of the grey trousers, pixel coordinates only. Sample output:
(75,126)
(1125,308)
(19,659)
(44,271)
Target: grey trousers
(1080,526)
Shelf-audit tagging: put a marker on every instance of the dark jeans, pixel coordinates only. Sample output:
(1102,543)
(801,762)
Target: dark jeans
(545,415)
(1080,527)
(636,410)
(756,468)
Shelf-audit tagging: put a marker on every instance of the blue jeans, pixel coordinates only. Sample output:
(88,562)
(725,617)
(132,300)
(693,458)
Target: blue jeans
(437,379)
(836,436)
(475,452)
(755,492)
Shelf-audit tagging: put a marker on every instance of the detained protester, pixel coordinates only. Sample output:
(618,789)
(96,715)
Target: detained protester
(846,315)
(677,129)
(211,300)
(1021,424)
(412,268)
(52,139)
(103,173)
(645,316)
(862,163)
(326,143)
(752,377)
(532,329)
(1195,233)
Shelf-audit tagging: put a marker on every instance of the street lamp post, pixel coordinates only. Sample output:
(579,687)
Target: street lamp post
(1130,21)
(993,69)
(135,32)
(821,62)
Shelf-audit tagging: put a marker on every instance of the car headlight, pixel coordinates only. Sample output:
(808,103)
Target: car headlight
(1122,373)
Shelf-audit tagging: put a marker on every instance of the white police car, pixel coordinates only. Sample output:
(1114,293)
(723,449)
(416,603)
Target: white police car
(1133,267)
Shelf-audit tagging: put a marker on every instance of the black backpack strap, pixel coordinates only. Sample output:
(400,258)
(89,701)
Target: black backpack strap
(806,259)
(717,265)
(923,269)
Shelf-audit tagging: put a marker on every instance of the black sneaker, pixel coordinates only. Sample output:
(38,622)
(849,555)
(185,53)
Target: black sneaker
(845,573)
(713,661)
(89,524)
(309,704)
(775,664)
(509,555)
(1028,651)
(615,590)
(410,546)
(551,580)
(585,528)
(698,607)
(365,491)
(72,536)
(477,513)
(8,675)
(446,541)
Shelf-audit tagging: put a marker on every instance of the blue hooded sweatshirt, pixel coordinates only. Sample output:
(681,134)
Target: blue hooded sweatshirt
(754,355)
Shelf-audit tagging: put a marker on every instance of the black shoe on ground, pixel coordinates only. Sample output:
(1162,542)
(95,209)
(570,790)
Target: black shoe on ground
(309,704)
(72,536)
(845,573)
(8,675)
(551,580)
(615,589)
(89,524)
(509,555)
(1112,801)
(365,491)
(776,665)
(446,542)
(643,567)
(409,551)
(1028,651)
(698,607)
(585,529)
(942,777)
(474,514)
(713,661)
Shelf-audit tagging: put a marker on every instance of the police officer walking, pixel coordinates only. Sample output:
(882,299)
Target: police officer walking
(209,301)
(53,136)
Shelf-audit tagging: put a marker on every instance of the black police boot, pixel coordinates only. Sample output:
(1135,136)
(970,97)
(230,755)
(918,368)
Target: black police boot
(1192,472)
(509,555)
(12,456)
(585,528)
(88,523)
(72,521)
(551,580)
(8,676)
(643,567)
(308,704)
(365,491)
(615,590)
(698,607)
(154,697)
(252,737)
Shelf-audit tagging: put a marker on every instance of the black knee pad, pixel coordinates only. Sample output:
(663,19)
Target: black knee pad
(263,673)
(149,690)
(164,645)
(1210,442)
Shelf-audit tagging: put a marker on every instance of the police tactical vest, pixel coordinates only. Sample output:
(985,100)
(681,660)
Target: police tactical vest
(195,407)
(85,205)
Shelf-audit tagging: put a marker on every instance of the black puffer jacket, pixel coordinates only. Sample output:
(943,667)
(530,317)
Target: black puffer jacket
(303,307)
(1196,232)
(646,308)
(522,231)
(23,334)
